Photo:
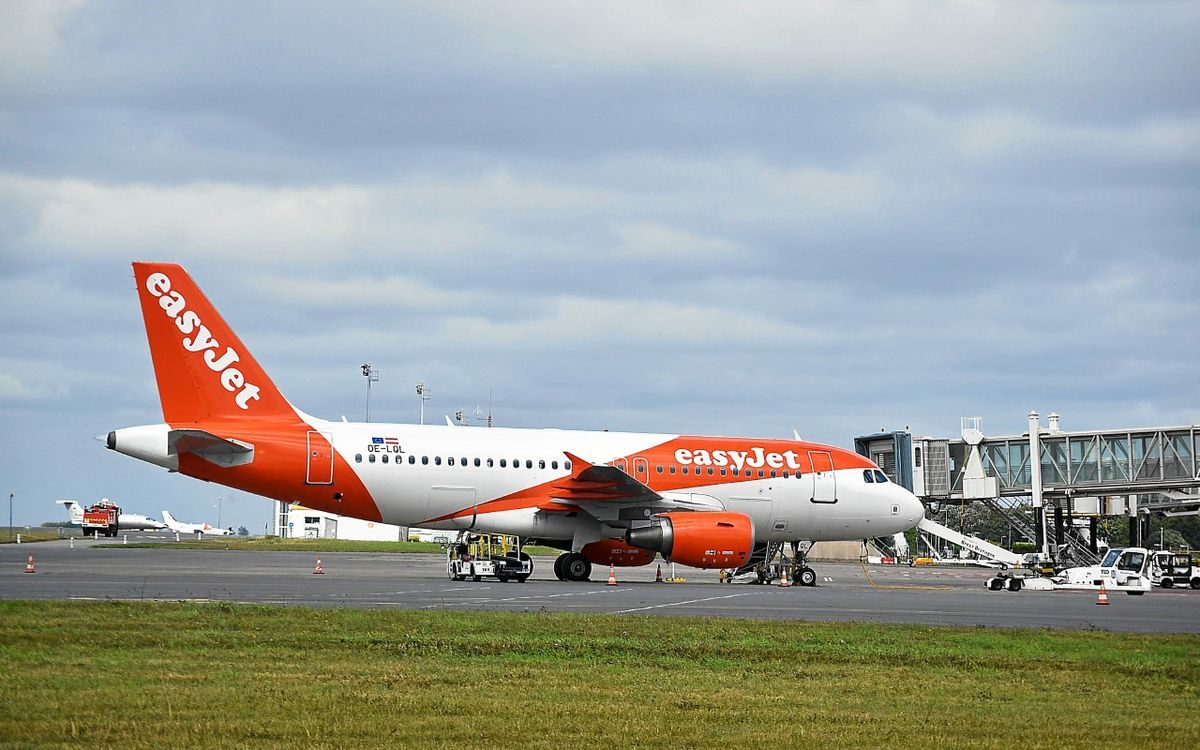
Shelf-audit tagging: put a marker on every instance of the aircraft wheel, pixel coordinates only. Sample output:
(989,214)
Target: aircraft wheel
(558,567)
(1166,583)
(576,567)
(807,577)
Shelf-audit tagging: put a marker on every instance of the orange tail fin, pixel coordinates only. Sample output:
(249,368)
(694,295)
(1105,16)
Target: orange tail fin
(203,369)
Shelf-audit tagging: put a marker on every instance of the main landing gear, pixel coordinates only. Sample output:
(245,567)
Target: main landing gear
(572,566)
(767,562)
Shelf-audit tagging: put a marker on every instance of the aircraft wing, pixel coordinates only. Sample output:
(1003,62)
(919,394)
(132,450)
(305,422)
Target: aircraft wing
(598,483)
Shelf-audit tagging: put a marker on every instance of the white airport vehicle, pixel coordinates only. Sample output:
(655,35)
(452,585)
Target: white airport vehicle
(1123,569)
(124,522)
(193,528)
(1168,569)
(477,556)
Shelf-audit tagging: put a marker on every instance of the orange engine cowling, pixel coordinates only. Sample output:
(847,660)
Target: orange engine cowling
(700,539)
(616,552)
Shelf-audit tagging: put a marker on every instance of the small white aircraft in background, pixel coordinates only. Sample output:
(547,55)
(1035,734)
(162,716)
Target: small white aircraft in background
(125,521)
(193,528)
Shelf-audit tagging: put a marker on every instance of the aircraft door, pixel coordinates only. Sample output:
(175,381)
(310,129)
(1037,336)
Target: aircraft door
(320,458)
(824,481)
(641,470)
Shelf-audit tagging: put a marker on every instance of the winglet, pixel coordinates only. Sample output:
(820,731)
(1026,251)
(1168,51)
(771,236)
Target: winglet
(578,465)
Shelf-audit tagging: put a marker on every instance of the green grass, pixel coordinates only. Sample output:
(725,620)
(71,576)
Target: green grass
(276,544)
(35,534)
(148,675)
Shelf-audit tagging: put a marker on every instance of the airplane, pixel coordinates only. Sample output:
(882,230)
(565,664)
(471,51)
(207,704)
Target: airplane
(603,498)
(125,521)
(193,528)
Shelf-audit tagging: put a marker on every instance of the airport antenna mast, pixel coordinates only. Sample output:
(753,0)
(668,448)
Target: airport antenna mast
(371,373)
(424,394)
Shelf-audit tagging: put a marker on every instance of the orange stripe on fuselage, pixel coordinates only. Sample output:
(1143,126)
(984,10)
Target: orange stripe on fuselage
(664,455)
(280,466)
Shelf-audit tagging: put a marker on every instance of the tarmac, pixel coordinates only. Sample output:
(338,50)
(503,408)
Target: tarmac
(845,591)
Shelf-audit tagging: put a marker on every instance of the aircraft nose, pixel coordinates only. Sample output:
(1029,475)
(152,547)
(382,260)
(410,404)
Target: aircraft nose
(911,508)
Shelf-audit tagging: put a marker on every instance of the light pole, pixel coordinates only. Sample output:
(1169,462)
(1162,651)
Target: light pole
(424,394)
(219,499)
(10,497)
(372,376)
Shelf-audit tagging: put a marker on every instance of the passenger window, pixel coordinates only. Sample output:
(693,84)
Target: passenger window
(371,458)
(464,461)
(541,464)
(490,463)
(785,474)
(384,458)
(516,463)
(710,471)
(868,476)
(554,464)
(658,469)
(358,458)
(761,473)
(567,465)
(437,460)
(747,472)
(683,470)
(450,461)
(528,464)
(772,473)
(477,463)
(412,459)
(724,472)
(503,463)
(425,460)
(672,469)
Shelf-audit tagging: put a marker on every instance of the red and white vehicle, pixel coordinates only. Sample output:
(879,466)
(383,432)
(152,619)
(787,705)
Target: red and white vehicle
(603,497)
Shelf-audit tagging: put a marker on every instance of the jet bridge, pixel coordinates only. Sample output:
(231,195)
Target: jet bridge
(1077,474)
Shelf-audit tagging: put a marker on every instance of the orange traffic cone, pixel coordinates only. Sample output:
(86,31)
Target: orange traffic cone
(658,575)
(612,575)
(783,579)
(318,571)
(1102,597)
(29,565)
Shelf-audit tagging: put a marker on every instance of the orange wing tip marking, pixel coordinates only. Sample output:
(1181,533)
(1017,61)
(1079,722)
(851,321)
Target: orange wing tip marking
(578,465)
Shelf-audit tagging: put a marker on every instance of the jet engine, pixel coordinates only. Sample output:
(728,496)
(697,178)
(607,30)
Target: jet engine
(720,539)
(618,553)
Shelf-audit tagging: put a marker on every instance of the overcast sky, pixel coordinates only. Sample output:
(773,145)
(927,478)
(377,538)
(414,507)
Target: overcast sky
(672,217)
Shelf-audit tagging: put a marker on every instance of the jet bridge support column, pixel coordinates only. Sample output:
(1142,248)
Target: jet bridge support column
(1035,477)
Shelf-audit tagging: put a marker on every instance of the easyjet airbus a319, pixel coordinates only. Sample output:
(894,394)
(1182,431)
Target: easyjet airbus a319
(602,497)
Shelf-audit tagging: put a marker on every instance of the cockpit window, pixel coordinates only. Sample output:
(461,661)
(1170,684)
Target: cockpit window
(880,477)
(868,477)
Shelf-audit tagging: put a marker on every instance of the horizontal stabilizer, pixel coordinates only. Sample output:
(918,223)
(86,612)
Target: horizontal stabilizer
(212,448)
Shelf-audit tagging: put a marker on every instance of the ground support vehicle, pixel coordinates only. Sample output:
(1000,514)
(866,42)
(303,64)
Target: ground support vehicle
(1168,569)
(492,555)
(101,519)
(1123,569)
